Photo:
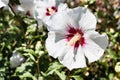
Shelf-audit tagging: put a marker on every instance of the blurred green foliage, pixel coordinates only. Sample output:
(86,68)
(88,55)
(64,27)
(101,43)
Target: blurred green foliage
(20,33)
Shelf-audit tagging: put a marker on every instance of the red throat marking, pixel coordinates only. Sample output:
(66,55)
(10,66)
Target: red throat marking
(75,37)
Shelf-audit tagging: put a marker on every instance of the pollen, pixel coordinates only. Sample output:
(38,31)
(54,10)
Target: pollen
(74,39)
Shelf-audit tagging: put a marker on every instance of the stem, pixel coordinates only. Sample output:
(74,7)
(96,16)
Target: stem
(38,67)
(13,12)
(68,75)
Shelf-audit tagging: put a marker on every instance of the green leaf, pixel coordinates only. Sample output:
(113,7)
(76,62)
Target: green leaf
(53,67)
(2,78)
(2,45)
(30,55)
(102,78)
(27,75)
(2,69)
(61,75)
(23,66)
(77,77)
(30,51)
(111,75)
(91,1)
(112,54)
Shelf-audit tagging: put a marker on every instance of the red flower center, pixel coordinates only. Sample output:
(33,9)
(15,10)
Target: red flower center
(75,37)
(51,10)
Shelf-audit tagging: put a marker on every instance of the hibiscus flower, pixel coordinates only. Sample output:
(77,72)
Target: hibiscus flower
(72,38)
(28,7)
(46,8)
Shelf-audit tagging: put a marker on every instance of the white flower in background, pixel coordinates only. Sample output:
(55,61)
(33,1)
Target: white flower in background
(27,7)
(72,38)
(41,10)
(46,8)
(16,60)
(15,7)
(3,3)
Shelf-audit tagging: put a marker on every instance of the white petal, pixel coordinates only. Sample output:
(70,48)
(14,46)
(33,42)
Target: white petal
(40,24)
(3,3)
(52,2)
(73,59)
(80,59)
(83,17)
(62,7)
(101,40)
(45,3)
(40,13)
(28,5)
(76,13)
(92,51)
(87,20)
(60,22)
(19,8)
(55,44)
(59,1)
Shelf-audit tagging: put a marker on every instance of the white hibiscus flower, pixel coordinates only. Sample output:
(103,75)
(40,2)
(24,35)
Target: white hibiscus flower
(46,8)
(72,38)
(3,3)
(28,7)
